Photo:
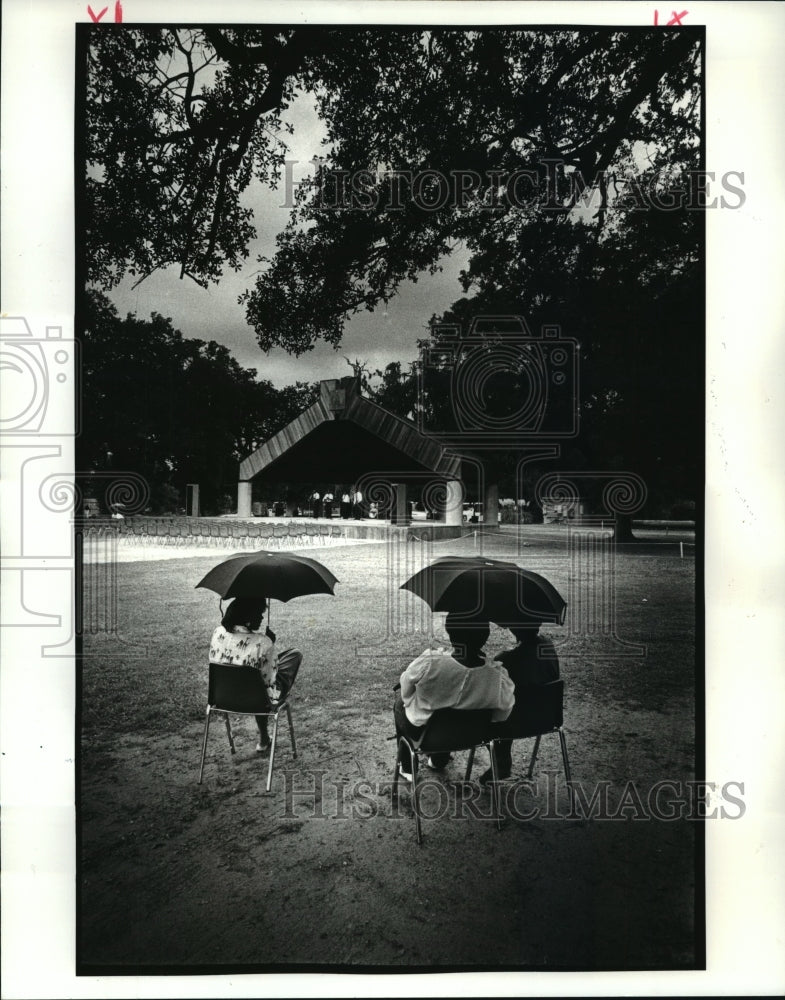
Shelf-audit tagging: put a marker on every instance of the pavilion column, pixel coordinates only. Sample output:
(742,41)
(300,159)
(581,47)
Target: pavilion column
(400,514)
(244,499)
(490,506)
(453,503)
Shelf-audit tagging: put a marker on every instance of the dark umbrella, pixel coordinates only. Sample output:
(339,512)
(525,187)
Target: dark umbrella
(278,575)
(491,588)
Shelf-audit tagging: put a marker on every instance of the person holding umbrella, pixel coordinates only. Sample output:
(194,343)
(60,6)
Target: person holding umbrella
(457,679)
(513,597)
(533,661)
(252,579)
(238,641)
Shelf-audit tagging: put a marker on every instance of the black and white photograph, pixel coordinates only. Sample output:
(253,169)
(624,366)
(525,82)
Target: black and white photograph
(456,273)
(387,491)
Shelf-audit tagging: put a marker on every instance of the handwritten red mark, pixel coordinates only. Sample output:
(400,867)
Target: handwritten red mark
(675,18)
(118,13)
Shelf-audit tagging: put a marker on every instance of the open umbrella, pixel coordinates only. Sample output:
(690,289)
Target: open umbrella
(499,591)
(278,575)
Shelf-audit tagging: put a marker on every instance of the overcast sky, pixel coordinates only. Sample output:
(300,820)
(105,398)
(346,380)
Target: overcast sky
(214,313)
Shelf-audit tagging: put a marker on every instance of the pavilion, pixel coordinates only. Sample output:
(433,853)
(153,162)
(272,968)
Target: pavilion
(345,437)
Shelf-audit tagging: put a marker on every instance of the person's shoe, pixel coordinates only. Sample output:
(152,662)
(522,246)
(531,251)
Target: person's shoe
(487,776)
(439,764)
(263,747)
(406,775)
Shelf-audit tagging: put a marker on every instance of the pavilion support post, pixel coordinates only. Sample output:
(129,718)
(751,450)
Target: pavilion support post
(244,499)
(400,514)
(192,500)
(453,503)
(490,506)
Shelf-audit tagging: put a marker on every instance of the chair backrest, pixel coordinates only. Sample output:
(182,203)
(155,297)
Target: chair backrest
(237,689)
(455,729)
(539,708)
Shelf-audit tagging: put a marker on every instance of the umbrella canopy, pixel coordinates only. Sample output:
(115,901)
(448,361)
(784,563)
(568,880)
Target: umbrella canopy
(491,588)
(278,575)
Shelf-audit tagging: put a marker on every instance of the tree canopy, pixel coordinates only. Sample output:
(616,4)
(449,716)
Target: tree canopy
(180,122)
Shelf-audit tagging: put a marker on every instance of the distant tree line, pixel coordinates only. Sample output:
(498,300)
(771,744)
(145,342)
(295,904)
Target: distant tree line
(173,409)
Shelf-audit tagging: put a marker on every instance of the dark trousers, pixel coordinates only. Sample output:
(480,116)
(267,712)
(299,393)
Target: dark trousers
(328,508)
(317,508)
(405,728)
(504,758)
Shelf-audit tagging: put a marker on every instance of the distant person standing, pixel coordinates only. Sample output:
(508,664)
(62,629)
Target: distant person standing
(357,505)
(316,503)
(328,504)
(346,505)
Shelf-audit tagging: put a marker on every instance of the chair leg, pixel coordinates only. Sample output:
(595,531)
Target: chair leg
(396,775)
(415,800)
(291,730)
(564,757)
(534,756)
(204,744)
(469,765)
(566,761)
(495,784)
(229,733)
(272,753)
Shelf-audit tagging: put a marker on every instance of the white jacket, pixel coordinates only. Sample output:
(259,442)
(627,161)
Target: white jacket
(436,680)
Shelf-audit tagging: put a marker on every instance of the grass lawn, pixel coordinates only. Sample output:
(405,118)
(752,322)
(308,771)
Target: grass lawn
(192,862)
(356,644)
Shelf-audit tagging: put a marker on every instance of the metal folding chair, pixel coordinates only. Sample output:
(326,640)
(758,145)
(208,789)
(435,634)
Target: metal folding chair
(449,730)
(241,691)
(539,710)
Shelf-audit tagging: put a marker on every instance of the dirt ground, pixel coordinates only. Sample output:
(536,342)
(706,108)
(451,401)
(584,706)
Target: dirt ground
(325,872)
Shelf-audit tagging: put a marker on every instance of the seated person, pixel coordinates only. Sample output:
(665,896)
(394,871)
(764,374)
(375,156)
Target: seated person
(532,661)
(238,641)
(457,679)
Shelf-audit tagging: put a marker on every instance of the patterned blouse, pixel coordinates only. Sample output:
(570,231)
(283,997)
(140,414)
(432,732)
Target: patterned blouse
(243,648)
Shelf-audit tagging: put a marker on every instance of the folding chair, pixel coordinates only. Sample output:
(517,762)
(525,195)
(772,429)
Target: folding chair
(539,709)
(241,691)
(448,730)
